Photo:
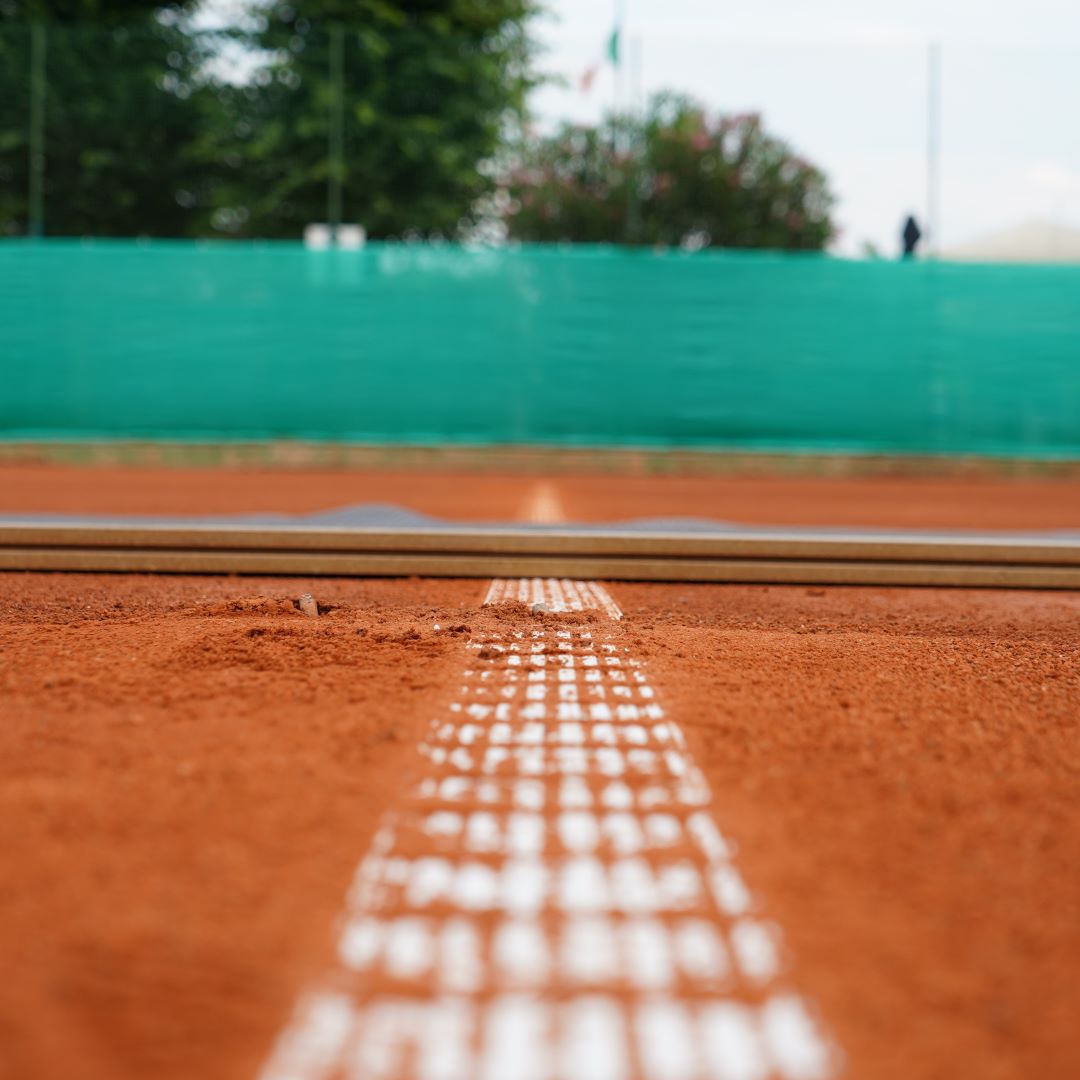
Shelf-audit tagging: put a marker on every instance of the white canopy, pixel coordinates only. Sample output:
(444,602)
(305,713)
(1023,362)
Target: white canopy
(1033,242)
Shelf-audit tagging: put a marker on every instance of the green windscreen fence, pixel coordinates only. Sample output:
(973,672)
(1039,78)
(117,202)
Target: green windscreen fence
(582,346)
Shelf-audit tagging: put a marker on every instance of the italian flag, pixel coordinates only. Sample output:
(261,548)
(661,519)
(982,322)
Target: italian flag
(611,56)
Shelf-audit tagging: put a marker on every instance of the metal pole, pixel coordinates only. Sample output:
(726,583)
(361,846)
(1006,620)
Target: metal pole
(617,59)
(637,88)
(35,211)
(633,208)
(336,172)
(933,150)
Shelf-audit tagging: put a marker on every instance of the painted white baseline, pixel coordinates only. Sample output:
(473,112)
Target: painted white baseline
(555,900)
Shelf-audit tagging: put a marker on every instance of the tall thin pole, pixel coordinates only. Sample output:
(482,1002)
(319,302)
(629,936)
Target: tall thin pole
(336,173)
(933,149)
(633,208)
(637,91)
(617,59)
(35,211)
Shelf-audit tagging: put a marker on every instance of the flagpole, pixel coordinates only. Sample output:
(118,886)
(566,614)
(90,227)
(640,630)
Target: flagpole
(617,73)
(933,150)
(637,92)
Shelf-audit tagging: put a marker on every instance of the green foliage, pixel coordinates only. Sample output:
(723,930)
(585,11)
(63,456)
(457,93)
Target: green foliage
(401,106)
(14,127)
(677,177)
(116,12)
(427,93)
(146,133)
(123,108)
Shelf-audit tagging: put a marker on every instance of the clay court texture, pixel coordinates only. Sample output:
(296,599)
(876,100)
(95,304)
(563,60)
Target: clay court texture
(658,831)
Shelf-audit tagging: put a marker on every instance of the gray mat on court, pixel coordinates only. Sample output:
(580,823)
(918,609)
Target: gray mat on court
(388,516)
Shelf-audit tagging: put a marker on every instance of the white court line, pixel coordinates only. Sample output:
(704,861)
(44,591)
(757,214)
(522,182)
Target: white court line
(543,506)
(559,595)
(554,901)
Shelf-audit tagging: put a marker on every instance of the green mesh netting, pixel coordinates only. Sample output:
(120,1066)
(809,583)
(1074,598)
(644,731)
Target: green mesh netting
(587,346)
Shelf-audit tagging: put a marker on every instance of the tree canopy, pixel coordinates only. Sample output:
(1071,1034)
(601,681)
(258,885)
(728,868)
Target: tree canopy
(677,176)
(124,108)
(423,95)
(406,116)
(400,104)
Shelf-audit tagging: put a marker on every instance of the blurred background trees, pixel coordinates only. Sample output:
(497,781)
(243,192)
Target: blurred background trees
(123,113)
(405,116)
(677,176)
(398,106)
(155,127)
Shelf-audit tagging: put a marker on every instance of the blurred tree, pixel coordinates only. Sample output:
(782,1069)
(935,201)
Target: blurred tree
(676,177)
(386,112)
(123,108)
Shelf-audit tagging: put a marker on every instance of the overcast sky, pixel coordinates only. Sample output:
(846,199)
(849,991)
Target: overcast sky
(845,81)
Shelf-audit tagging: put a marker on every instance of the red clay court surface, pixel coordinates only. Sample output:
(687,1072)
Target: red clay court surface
(193,769)
(915,502)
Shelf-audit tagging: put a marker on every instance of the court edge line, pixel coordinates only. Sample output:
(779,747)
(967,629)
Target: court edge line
(319,1026)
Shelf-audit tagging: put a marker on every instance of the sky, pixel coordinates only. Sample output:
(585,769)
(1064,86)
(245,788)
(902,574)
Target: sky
(845,82)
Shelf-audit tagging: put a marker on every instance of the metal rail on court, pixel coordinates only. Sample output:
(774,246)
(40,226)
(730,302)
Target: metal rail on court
(796,558)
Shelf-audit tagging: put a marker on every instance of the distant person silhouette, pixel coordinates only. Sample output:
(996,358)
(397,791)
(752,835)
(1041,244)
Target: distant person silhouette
(911,236)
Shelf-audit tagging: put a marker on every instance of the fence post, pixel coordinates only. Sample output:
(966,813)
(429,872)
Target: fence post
(637,146)
(336,172)
(35,216)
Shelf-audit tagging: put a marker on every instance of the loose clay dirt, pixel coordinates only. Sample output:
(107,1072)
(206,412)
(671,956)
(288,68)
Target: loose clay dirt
(193,767)
(191,770)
